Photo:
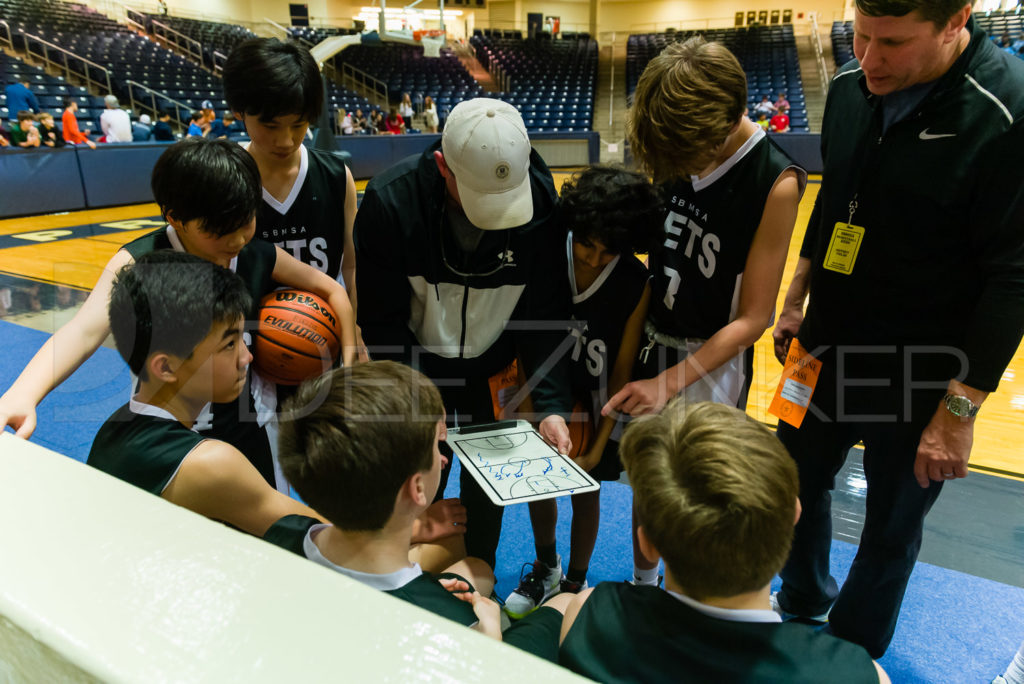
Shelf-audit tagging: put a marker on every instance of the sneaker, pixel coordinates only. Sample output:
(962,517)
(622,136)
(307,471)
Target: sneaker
(786,617)
(535,587)
(569,587)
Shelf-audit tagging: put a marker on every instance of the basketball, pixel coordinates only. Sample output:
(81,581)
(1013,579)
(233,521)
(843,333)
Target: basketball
(297,337)
(581,430)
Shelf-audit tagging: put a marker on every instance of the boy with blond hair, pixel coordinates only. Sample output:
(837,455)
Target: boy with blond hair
(732,199)
(716,497)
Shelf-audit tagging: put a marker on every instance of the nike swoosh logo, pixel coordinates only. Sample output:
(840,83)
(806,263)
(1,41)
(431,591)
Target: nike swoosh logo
(925,135)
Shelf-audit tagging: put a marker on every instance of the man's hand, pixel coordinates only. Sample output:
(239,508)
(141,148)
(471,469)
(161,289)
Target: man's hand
(944,449)
(639,397)
(556,433)
(487,611)
(19,416)
(91,144)
(786,329)
(441,519)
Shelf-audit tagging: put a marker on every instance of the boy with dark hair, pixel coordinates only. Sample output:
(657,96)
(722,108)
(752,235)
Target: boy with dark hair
(361,443)
(177,322)
(162,128)
(610,215)
(208,191)
(275,90)
(25,133)
(732,199)
(716,497)
(195,126)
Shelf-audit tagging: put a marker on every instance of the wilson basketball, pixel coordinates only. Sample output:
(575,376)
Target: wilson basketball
(297,337)
(581,431)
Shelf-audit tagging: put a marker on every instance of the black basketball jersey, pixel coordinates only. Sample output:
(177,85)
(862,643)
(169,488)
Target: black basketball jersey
(310,223)
(627,633)
(599,319)
(233,422)
(710,226)
(143,449)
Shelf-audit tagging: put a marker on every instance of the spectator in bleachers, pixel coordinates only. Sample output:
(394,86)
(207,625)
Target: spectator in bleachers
(232,125)
(20,98)
(214,127)
(141,129)
(345,124)
(781,101)
(115,122)
(25,133)
(377,122)
(394,124)
(780,122)
(195,128)
(48,133)
(762,120)
(359,121)
(162,128)
(766,106)
(405,107)
(430,112)
(69,125)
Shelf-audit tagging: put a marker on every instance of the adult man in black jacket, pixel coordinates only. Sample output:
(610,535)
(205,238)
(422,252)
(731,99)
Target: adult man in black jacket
(914,259)
(462,271)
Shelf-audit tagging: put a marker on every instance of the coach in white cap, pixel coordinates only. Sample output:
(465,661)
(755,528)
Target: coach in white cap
(462,270)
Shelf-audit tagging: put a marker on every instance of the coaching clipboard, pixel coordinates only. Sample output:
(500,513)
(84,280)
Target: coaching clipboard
(513,464)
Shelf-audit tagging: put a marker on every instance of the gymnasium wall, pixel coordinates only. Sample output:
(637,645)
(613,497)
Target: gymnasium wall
(613,15)
(102,581)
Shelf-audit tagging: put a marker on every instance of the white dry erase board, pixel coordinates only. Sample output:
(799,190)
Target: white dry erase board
(513,463)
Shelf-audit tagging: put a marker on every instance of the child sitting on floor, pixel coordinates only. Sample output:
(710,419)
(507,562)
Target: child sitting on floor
(361,444)
(715,494)
(177,321)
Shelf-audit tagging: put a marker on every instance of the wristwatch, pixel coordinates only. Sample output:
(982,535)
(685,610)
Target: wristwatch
(960,406)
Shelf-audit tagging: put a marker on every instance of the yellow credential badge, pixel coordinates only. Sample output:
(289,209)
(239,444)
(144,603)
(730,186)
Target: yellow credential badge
(843,248)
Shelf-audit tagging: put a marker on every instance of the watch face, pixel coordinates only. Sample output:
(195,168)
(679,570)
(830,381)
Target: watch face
(959,406)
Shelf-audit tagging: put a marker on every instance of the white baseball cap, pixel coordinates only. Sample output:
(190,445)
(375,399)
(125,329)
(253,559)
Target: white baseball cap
(486,146)
(144,119)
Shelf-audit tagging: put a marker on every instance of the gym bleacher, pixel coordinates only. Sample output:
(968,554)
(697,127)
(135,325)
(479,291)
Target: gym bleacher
(551,81)
(49,90)
(213,36)
(767,53)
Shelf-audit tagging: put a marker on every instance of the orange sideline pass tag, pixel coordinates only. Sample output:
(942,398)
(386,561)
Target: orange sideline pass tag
(793,395)
(504,385)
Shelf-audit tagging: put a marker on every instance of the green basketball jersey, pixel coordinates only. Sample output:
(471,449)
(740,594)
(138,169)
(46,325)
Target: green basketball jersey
(627,633)
(143,449)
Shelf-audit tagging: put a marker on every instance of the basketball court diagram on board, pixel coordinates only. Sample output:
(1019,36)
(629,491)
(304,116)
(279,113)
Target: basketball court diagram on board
(513,463)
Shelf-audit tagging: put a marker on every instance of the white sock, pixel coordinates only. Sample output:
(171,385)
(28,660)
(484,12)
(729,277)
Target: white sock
(645,576)
(1015,671)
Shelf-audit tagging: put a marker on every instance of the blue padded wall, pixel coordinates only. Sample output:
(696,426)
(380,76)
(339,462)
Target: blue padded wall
(119,173)
(39,182)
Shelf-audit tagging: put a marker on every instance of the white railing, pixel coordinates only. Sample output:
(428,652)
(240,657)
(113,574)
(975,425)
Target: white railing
(819,55)
(219,58)
(157,101)
(65,62)
(286,34)
(190,46)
